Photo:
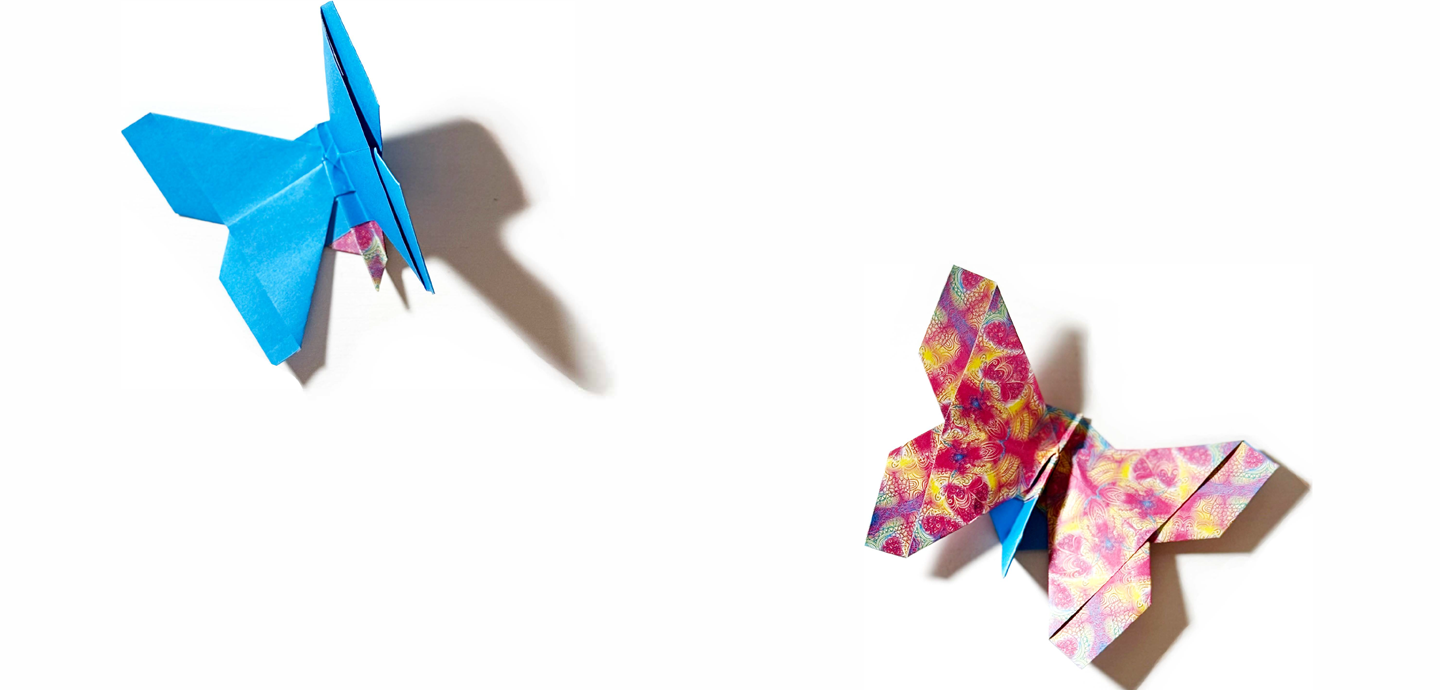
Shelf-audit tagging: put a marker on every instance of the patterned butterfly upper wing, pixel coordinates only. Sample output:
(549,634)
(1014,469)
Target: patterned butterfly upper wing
(994,440)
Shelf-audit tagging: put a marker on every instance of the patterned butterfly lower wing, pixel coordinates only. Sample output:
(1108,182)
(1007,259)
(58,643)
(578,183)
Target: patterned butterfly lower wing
(893,525)
(1119,602)
(1206,514)
(1115,501)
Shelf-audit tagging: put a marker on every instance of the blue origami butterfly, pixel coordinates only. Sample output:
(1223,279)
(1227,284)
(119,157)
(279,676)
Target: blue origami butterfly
(282,200)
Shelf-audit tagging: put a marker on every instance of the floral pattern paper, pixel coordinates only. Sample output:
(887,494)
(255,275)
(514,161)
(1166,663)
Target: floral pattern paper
(995,439)
(1103,506)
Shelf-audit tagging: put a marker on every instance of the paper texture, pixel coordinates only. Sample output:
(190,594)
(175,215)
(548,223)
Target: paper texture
(283,200)
(1047,478)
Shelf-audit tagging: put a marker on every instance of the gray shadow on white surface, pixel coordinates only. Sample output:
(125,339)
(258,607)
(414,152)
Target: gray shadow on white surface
(311,357)
(461,191)
(964,546)
(1062,374)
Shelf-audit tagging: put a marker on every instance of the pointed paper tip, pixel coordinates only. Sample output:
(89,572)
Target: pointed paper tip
(375,260)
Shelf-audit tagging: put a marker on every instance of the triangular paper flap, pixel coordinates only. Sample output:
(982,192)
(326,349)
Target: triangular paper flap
(945,349)
(347,243)
(367,241)
(351,97)
(895,524)
(1114,607)
(1019,528)
(216,173)
(345,131)
(408,245)
(271,260)
(1211,510)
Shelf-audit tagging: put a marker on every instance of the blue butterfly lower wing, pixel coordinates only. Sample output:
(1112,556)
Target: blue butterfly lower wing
(272,259)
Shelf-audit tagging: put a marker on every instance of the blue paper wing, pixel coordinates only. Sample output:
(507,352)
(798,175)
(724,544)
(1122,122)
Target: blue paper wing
(1019,528)
(275,197)
(272,259)
(379,195)
(216,173)
(354,110)
(411,245)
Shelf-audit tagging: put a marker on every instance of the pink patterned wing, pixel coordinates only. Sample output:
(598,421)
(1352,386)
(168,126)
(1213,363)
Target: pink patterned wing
(1114,607)
(367,240)
(1107,506)
(995,438)
(1210,511)
(1115,500)
(897,519)
(954,327)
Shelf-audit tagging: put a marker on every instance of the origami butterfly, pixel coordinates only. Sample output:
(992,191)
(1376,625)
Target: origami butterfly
(1002,450)
(283,200)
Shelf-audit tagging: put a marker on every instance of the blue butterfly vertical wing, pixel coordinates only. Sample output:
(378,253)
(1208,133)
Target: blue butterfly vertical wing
(352,99)
(275,197)
(402,215)
(354,127)
(1019,527)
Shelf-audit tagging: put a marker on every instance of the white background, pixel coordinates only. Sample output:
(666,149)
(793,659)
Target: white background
(683,258)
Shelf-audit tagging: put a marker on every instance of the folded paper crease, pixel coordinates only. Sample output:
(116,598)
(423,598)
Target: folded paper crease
(284,200)
(1047,478)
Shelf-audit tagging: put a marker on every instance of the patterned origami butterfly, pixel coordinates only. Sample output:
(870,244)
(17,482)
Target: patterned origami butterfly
(1002,450)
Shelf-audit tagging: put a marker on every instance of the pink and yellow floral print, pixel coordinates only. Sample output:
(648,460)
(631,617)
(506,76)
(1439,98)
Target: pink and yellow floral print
(994,441)
(367,240)
(1103,506)
(1107,505)
(1113,500)
(1104,616)
(1207,513)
